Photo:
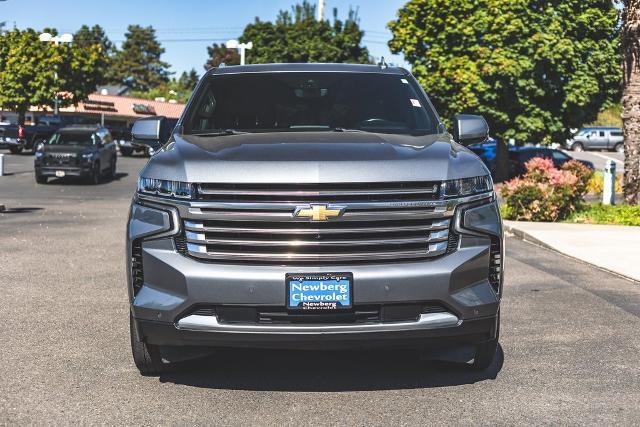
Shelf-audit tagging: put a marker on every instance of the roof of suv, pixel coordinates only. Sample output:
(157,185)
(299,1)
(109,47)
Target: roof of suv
(345,68)
(76,128)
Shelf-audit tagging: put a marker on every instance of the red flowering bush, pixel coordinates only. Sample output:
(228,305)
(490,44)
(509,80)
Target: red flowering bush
(545,193)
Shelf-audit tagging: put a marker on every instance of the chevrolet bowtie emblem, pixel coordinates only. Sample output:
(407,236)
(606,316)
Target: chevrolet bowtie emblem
(318,212)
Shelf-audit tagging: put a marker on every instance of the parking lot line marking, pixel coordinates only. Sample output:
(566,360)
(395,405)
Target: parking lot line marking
(602,156)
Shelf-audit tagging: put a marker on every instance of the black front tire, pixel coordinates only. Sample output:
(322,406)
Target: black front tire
(112,168)
(577,147)
(15,150)
(126,151)
(146,356)
(41,179)
(486,351)
(619,148)
(95,175)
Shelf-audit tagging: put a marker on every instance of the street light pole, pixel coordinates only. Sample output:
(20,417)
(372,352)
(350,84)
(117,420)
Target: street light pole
(242,47)
(56,40)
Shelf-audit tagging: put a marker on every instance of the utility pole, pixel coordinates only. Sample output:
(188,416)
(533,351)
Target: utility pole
(320,10)
(56,40)
(242,47)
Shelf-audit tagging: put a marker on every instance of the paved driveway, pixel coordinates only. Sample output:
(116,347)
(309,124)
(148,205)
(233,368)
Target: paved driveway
(570,340)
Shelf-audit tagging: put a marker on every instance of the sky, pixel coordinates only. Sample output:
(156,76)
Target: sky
(187,27)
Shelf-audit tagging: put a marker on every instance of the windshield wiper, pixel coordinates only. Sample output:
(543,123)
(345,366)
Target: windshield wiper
(221,133)
(338,129)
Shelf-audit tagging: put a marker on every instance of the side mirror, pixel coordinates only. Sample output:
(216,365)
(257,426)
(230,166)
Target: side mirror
(469,129)
(151,131)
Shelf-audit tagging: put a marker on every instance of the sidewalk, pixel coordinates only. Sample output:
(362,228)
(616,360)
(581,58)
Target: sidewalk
(613,247)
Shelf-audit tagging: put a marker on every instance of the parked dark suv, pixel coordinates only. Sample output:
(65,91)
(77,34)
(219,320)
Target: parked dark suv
(85,151)
(312,206)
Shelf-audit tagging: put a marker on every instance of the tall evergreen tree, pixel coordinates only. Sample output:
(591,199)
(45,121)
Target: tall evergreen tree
(219,54)
(137,64)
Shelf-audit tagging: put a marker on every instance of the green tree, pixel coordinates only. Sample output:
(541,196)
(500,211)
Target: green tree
(534,68)
(297,36)
(218,54)
(33,72)
(175,89)
(137,64)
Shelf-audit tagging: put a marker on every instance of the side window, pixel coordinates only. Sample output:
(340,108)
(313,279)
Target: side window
(106,138)
(559,155)
(616,134)
(601,134)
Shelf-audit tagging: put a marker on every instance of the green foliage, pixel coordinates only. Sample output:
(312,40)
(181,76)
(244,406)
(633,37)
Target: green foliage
(87,37)
(176,89)
(219,53)
(610,116)
(607,214)
(545,193)
(28,70)
(137,64)
(534,68)
(297,36)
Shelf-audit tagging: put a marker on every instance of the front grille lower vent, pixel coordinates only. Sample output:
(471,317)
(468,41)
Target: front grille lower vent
(136,266)
(368,313)
(495,265)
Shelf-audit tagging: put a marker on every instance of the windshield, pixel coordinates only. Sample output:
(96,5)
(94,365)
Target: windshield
(305,101)
(73,138)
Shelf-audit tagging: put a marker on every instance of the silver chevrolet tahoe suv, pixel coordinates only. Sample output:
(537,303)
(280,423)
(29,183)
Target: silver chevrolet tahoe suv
(313,206)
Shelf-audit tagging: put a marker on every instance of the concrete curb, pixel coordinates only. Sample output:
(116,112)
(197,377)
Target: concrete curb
(526,237)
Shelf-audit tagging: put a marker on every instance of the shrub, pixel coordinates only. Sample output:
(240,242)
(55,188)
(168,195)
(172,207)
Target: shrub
(607,214)
(596,183)
(545,193)
(583,173)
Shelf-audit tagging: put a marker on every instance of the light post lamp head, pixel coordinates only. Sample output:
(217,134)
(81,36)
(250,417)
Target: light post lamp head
(45,37)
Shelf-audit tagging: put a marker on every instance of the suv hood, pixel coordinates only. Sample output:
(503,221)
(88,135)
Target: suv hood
(313,157)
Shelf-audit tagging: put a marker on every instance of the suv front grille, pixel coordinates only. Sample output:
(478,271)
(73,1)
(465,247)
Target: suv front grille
(60,159)
(257,223)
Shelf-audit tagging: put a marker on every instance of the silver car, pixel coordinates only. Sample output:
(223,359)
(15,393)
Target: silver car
(597,138)
(313,206)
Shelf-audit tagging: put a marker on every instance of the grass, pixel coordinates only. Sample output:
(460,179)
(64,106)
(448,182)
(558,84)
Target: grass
(606,214)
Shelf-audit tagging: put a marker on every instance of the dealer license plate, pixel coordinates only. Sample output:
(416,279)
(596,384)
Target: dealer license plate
(319,291)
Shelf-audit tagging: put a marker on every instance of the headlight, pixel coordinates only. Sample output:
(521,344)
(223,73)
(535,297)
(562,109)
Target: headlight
(88,156)
(162,187)
(39,154)
(467,186)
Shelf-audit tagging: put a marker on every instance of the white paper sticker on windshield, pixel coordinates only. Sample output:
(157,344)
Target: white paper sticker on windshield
(405,81)
(415,103)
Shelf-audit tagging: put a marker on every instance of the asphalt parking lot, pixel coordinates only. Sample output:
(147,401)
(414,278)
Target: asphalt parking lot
(570,344)
(599,158)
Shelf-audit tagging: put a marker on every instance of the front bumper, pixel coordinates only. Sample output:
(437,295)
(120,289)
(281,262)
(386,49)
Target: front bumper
(78,171)
(175,284)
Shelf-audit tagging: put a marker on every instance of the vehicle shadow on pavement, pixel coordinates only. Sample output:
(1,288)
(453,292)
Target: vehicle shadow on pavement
(323,371)
(20,210)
